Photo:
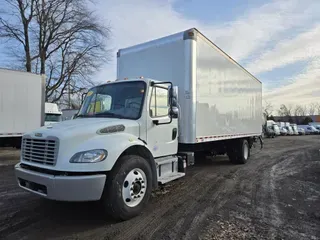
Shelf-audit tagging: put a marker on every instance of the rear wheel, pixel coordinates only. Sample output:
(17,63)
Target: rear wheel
(244,152)
(239,151)
(128,188)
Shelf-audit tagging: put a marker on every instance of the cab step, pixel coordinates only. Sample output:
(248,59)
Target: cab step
(170,168)
(169,178)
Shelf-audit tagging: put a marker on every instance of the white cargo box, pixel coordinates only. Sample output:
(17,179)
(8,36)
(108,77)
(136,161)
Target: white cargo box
(219,99)
(21,102)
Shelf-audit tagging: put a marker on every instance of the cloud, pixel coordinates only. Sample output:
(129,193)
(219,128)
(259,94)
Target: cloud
(259,26)
(303,89)
(254,38)
(138,21)
(303,47)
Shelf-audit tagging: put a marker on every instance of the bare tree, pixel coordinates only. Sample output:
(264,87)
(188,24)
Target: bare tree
(62,39)
(268,109)
(300,110)
(312,108)
(17,25)
(318,108)
(285,110)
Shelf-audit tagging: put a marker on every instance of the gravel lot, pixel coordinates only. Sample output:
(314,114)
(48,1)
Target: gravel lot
(276,195)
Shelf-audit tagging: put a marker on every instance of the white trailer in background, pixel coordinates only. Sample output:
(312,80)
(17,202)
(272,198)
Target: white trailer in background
(52,114)
(22,97)
(132,134)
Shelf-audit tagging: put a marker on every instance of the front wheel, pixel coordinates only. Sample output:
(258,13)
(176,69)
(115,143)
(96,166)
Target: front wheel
(128,187)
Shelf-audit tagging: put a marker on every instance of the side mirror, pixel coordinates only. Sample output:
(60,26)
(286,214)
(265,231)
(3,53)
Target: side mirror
(83,96)
(174,112)
(173,95)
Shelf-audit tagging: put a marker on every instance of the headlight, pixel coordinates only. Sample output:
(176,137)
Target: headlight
(91,156)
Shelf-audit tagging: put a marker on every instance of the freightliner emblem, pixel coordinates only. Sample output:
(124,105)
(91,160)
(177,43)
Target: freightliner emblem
(38,134)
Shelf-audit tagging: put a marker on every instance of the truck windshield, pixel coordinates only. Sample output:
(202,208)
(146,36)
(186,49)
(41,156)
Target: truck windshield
(50,117)
(115,100)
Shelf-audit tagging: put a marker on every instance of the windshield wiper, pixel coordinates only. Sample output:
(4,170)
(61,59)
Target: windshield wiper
(83,115)
(108,114)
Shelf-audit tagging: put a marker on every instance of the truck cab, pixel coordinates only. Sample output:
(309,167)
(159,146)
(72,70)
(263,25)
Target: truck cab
(125,130)
(52,114)
(289,128)
(273,125)
(295,128)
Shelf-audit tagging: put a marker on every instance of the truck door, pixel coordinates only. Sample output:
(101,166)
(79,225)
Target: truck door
(162,130)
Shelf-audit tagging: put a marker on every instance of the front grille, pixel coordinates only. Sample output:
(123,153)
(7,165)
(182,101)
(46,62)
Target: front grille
(41,151)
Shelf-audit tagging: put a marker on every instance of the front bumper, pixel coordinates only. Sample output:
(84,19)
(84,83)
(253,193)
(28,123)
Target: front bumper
(61,188)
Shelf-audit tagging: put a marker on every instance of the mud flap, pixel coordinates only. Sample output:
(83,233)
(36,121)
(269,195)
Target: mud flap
(261,141)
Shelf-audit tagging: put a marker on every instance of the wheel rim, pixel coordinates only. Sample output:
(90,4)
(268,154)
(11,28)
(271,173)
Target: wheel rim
(134,187)
(246,151)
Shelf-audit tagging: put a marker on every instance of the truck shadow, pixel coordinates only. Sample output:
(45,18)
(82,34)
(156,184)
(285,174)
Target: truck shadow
(74,217)
(221,160)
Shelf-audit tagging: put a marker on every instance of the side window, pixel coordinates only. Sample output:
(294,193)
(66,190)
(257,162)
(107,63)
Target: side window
(159,105)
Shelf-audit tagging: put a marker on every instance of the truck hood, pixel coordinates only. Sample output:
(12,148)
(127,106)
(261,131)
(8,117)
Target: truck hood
(85,127)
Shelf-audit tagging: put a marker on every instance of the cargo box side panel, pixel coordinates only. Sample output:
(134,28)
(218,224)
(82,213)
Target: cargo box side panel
(166,59)
(20,102)
(229,99)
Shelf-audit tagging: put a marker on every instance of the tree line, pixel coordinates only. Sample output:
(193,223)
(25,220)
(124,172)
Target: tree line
(292,112)
(63,39)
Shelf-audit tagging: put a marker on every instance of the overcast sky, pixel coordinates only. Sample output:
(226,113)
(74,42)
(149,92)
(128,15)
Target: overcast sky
(277,41)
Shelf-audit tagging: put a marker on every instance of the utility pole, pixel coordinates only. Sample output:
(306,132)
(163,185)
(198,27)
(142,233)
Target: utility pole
(69,93)
(69,82)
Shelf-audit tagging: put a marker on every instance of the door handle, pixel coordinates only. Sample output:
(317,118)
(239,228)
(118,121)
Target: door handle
(174,133)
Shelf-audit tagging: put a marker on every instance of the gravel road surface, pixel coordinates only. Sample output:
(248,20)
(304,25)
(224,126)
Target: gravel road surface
(276,195)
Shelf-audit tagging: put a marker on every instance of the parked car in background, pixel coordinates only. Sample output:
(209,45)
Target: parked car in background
(274,126)
(316,126)
(309,129)
(289,129)
(283,131)
(301,131)
(268,131)
(276,129)
(315,130)
(294,128)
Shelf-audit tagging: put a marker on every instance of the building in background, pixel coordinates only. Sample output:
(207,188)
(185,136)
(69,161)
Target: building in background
(297,119)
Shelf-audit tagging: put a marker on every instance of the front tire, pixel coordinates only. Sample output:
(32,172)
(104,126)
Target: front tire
(128,187)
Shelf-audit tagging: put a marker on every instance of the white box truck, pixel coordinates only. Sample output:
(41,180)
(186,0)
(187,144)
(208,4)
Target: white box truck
(132,134)
(52,114)
(22,97)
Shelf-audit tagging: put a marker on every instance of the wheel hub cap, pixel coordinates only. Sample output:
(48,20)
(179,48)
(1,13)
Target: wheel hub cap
(246,151)
(134,187)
